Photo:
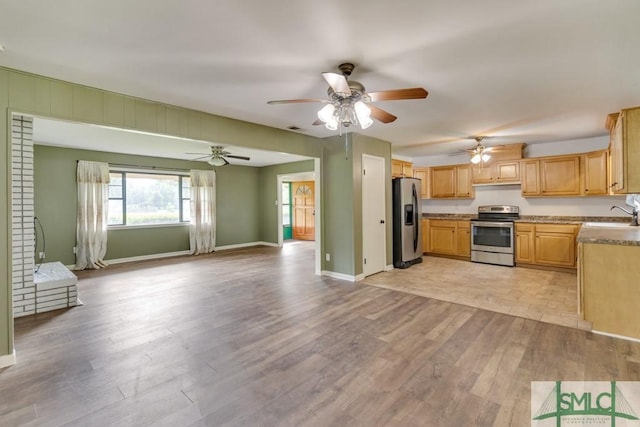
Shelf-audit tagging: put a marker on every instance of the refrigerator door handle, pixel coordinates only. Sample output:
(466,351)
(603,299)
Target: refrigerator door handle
(414,200)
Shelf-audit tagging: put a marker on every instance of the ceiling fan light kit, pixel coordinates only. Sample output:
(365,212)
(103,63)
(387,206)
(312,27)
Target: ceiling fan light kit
(480,152)
(347,101)
(217,161)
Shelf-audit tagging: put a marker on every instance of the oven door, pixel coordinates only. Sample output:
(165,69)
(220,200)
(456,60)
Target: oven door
(492,236)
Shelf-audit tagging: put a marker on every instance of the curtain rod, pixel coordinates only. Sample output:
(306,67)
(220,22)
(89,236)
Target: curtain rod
(146,167)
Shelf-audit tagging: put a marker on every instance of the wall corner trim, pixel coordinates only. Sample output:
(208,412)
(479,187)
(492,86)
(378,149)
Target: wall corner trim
(8,359)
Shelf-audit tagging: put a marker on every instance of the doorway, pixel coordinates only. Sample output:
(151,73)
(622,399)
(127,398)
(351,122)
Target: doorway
(374,227)
(304,210)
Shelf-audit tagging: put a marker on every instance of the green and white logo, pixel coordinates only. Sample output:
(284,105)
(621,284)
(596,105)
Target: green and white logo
(585,403)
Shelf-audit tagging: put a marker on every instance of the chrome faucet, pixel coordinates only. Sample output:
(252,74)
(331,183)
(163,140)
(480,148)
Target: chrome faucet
(633,213)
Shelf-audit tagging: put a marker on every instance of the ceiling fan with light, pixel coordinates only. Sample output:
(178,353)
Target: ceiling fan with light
(479,153)
(218,156)
(350,104)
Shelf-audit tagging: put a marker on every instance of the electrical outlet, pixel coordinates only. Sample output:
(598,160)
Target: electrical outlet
(327,257)
(41,255)
(75,249)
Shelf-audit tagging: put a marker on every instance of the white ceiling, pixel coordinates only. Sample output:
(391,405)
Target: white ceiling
(101,138)
(535,71)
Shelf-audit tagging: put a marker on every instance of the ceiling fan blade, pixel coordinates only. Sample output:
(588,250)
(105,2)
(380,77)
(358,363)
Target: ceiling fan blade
(295,101)
(231,156)
(397,94)
(195,154)
(338,83)
(380,115)
(318,122)
(200,158)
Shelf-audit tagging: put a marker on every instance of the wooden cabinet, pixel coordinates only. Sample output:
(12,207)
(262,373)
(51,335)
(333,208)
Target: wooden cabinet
(447,182)
(425,235)
(625,151)
(530,170)
(449,237)
(423,175)
(505,172)
(401,169)
(608,287)
(442,237)
(551,245)
(595,173)
(463,238)
(524,243)
(463,181)
(551,176)
(560,176)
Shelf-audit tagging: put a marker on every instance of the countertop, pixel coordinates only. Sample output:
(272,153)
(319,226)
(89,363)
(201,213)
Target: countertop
(629,236)
(547,219)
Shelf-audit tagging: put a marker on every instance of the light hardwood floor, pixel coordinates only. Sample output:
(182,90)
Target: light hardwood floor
(548,296)
(252,337)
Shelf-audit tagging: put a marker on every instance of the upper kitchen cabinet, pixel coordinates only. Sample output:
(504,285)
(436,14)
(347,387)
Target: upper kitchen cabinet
(625,150)
(502,168)
(551,176)
(504,172)
(401,169)
(449,182)
(423,175)
(595,169)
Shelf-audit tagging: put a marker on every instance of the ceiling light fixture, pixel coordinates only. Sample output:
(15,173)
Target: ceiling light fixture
(343,113)
(480,152)
(217,161)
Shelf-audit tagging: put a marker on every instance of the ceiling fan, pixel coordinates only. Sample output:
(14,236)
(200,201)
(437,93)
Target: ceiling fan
(347,99)
(218,156)
(479,153)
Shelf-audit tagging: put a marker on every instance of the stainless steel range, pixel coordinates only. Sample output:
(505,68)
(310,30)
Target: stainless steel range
(492,235)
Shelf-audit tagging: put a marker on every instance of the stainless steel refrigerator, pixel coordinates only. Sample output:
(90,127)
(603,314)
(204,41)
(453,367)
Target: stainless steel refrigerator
(407,224)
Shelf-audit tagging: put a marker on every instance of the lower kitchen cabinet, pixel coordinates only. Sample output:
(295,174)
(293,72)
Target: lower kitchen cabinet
(524,243)
(448,237)
(608,287)
(552,245)
(463,238)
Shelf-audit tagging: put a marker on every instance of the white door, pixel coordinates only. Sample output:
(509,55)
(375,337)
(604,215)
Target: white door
(374,248)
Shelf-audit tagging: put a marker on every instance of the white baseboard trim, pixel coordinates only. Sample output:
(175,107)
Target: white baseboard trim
(622,337)
(389,267)
(146,257)
(8,360)
(342,276)
(179,253)
(246,245)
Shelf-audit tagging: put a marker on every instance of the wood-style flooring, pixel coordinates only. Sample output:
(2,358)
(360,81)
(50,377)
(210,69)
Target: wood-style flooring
(252,337)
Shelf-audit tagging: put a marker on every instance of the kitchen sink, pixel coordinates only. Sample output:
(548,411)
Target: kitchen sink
(608,224)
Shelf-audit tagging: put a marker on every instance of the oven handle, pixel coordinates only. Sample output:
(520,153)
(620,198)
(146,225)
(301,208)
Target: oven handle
(492,224)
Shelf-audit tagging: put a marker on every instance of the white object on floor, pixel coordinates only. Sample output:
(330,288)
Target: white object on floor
(55,287)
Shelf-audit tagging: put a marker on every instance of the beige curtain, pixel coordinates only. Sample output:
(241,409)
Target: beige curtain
(202,231)
(91,217)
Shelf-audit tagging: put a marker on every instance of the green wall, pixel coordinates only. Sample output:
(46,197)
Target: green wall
(27,93)
(268,196)
(342,201)
(42,96)
(237,205)
(337,207)
(55,205)
(245,211)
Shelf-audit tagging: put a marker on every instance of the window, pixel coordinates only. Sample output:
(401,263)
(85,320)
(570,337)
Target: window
(141,198)
(286,204)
